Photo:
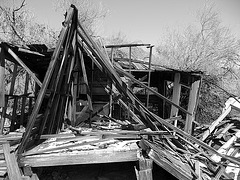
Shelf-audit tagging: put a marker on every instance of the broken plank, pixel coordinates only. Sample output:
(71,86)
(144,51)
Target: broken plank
(12,166)
(8,49)
(215,123)
(195,140)
(46,81)
(169,167)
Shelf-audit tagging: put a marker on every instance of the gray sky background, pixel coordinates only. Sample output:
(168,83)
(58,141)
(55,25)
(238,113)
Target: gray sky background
(146,21)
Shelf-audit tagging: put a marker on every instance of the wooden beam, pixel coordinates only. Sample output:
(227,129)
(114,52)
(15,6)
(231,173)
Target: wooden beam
(169,166)
(82,157)
(145,168)
(46,81)
(193,139)
(9,50)
(149,74)
(176,94)
(215,123)
(126,45)
(192,106)
(24,98)
(13,79)
(12,166)
(90,108)
(2,79)
(2,88)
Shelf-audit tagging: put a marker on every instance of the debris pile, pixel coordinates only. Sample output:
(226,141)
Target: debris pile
(70,118)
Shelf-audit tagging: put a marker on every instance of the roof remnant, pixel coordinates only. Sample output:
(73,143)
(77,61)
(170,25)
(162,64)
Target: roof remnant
(79,84)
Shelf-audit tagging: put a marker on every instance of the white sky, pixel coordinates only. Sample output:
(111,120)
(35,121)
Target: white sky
(145,21)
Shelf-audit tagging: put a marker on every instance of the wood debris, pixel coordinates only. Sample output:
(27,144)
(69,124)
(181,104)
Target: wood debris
(70,119)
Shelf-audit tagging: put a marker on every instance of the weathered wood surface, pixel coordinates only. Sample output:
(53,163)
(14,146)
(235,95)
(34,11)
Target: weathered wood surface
(9,50)
(95,151)
(192,106)
(46,81)
(11,161)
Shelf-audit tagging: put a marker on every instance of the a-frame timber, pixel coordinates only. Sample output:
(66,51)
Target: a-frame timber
(49,111)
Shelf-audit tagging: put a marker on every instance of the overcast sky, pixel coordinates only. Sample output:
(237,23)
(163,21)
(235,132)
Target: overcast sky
(146,21)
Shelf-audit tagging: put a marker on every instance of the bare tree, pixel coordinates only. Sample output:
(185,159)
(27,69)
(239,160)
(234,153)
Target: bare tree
(208,47)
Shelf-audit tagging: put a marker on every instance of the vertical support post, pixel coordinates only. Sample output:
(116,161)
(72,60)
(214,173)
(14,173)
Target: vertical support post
(90,108)
(130,56)
(74,98)
(14,113)
(11,91)
(24,98)
(2,88)
(161,86)
(176,94)
(192,104)
(149,73)
(130,63)
(145,168)
(111,98)
(2,74)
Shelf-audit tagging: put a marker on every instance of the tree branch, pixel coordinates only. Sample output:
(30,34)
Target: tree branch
(20,7)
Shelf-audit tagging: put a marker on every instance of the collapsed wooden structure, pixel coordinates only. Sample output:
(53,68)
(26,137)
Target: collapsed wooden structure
(79,85)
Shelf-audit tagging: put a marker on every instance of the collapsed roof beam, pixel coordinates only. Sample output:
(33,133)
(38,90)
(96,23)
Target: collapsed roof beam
(10,51)
(47,78)
(109,69)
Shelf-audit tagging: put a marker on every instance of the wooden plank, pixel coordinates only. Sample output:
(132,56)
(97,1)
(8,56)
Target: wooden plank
(145,168)
(192,106)
(2,75)
(220,172)
(102,59)
(3,163)
(12,166)
(60,91)
(224,131)
(149,73)
(176,94)
(169,167)
(126,45)
(13,79)
(215,123)
(110,103)
(83,157)
(22,64)
(46,80)
(24,98)
(4,110)
(226,146)
(195,140)
(62,147)
(14,113)
(3,173)
(85,81)
(198,170)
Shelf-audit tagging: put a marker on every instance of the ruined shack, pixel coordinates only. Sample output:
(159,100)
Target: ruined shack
(89,107)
